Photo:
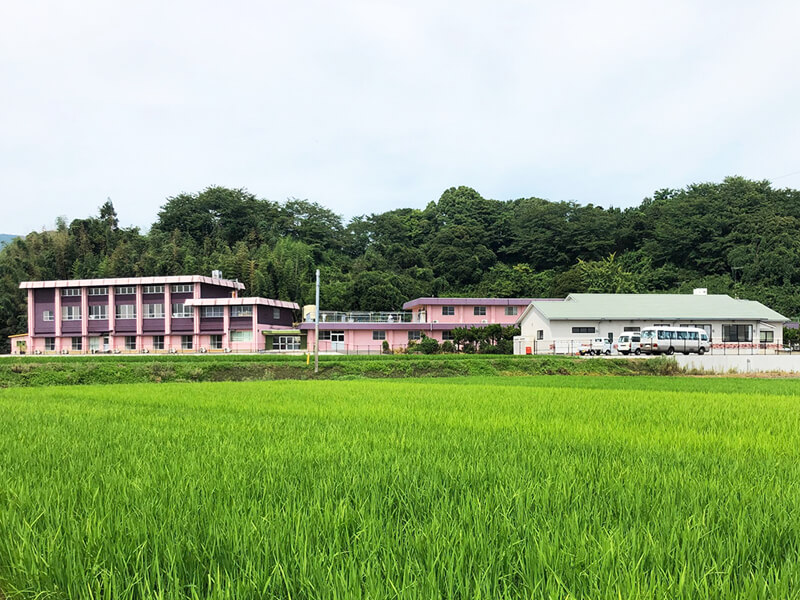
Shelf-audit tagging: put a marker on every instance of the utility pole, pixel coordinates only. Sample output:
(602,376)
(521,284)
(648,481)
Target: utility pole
(316,330)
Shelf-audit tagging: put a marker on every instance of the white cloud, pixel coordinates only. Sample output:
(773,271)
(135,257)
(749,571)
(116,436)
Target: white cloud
(368,105)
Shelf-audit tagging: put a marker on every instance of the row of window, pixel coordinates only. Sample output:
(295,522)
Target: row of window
(123,290)
(98,343)
(378,335)
(478,311)
(151,311)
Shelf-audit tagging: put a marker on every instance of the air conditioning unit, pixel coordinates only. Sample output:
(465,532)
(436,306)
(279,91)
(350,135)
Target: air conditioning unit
(227,350)
(145,351)
(117,351)
(173,351)
(435,321)
(203,350)
(64,351)
(484,320)
(37,351)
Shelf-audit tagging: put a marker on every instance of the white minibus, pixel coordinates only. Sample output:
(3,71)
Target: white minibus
(669,340)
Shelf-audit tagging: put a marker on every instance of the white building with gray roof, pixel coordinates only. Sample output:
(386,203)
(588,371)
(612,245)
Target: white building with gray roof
(555,327)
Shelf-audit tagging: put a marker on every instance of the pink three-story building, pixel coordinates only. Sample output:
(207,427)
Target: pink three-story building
(189,313)
(365,332)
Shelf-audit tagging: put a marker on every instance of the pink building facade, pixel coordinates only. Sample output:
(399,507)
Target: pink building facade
(433,317)
(170,314)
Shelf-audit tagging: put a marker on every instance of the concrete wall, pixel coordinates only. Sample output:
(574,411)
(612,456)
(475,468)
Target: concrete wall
(741,364)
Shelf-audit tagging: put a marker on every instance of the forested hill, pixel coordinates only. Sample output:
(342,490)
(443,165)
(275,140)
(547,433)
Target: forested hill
(738,237)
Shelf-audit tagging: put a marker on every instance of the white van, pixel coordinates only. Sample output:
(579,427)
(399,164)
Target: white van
(669,340)
(629,343)
(596,346)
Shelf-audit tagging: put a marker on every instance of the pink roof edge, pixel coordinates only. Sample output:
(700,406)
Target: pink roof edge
(131,281)
(472,301)
(241,301)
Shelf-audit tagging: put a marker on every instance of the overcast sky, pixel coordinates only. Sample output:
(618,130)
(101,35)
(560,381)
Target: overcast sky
(368,106)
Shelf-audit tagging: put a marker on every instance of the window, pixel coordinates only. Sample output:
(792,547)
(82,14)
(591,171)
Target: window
(215,342)
(448,311)
(414,336)
(153,311)
(244,335)
(70,313)
(77,344)
(276,313)
(98,291)
(153,289)
(98,312)
(182,288)
(286,342)
(447,335)
(47,315)
(241,311)
(71,292)
(631,329)
(180,310)
(158,342)
(130,342)
(50,343)
(511,311)
(766,337)
(737,333)
(186,342)
(378,335)
(479,311)
(213,311)
(331,336)
(125,311)
(583,329)
(540,334)
(661,324)
(125,290)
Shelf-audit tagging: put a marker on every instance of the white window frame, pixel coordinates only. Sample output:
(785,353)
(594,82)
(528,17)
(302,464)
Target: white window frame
(447,335)
(50,343)
(212,312)
(241,311)
(241,335)
(182,288)
(77,344)
(215,341)
(187,342)
(47,315)
(70,292)
(125,290)
(153,311)
(478,311)
(286,342)
(102,309)
(128,345)
(448,311)
(153,289)
(378,335)
(120,315)
(511,311)
(181,311)
(98,291)
(414,335)
(276,313)
(71,313)
(158,342)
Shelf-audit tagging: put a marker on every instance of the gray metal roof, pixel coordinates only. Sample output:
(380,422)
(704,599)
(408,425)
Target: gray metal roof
(667,307)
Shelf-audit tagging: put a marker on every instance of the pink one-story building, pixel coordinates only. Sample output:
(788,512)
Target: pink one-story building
(185,313)
(365,332)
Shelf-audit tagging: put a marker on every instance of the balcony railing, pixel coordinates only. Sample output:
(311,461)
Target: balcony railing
(363,317)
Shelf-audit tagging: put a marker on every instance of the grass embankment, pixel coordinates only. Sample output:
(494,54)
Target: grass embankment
(550,487)
(140,369)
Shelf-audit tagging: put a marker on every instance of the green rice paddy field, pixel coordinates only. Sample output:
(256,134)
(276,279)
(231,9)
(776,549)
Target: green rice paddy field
(518,487)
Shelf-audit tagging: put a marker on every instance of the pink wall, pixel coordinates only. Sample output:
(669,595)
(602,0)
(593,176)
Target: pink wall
(465,314)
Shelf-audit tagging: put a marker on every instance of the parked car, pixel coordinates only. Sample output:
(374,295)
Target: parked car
(669,340)
(595,346)
(629,343)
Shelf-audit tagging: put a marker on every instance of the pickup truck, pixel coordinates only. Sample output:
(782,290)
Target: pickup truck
(595,346)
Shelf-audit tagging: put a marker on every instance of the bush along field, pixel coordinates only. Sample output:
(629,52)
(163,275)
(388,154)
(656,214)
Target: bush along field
(537,487)
(15,372)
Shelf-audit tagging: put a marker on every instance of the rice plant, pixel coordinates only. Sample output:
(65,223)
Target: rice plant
(559,487)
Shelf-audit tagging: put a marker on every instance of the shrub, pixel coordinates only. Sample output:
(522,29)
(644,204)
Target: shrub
(447,347)
(428,345)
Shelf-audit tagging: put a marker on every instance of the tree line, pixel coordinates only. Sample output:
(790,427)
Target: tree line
(737,237)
